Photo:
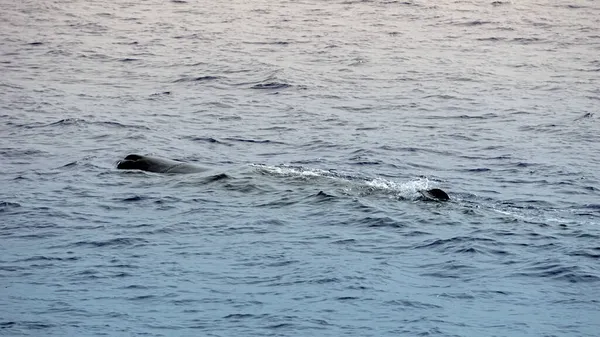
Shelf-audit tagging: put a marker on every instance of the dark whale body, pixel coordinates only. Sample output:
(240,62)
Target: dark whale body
(158,165)
(435,194)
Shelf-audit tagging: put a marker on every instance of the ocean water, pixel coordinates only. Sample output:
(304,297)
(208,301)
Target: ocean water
(320,122)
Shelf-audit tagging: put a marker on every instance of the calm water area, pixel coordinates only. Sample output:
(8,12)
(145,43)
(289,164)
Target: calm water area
(318,123)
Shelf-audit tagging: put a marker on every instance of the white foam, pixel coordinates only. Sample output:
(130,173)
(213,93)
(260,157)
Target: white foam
(407,189)
(292,171)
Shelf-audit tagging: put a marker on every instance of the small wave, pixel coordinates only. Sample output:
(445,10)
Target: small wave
(67,121)
(137,287)
(344,242)
(6,205)
(557,271)
(442,96)
(197,79)
(584,253)
(230,118)
(474,23)
(33,325)
(134,198)
(406,3)
(243,140)
(585,116)
(364,162)
(71,164)
(374,222)
(592,206)
(79,122)
(280,326)
(164,93)
(277,128)
(193,36)
(217,177)
(322,196)
(117,242)
(493,39)
(278,43)
(208,140)
(281,263)
(406,304)
(446,274)
(13,268)
(141,297)
(236,317)
(121,125)
(525,40)
(368,128)
(459,244)
(484,116)
(271,86)
(479,169)
(49,258)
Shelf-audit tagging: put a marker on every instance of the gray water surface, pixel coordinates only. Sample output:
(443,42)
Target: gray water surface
(319,122)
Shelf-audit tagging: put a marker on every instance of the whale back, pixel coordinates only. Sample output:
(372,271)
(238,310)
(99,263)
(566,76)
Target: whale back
(155,164)
(435,194)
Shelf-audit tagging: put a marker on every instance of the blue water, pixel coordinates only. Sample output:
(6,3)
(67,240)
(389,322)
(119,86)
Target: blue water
(319,122)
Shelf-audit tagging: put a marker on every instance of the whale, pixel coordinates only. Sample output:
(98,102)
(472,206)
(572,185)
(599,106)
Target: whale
(157,165)
(162,165)
(435,194)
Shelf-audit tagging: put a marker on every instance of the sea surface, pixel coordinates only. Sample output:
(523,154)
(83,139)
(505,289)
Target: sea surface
(319,122)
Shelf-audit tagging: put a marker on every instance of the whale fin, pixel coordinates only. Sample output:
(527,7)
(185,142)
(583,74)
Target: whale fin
(133,157)
(132,162)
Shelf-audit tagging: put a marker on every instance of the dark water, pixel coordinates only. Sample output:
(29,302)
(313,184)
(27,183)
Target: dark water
(319,121)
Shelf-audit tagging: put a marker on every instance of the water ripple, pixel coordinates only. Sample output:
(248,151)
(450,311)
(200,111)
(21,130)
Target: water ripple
(320,123)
